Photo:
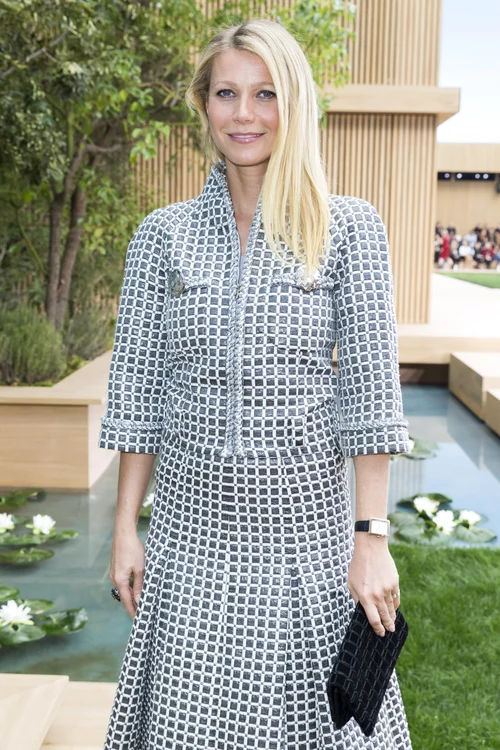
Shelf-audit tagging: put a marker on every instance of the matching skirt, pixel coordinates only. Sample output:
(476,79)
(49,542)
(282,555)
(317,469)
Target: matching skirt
(243,608)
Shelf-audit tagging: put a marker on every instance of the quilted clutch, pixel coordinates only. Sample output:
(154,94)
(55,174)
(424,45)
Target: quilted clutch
(362,670)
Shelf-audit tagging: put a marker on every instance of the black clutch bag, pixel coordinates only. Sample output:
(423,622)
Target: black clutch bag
(362,670)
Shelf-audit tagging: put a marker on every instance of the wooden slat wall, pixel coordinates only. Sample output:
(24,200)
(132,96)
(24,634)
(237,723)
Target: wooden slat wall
(466,204)
(387,159)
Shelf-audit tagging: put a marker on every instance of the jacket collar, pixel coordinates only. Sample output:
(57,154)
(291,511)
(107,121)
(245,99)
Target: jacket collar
(215,199)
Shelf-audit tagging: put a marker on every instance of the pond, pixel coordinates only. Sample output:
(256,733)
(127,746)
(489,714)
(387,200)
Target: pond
(466,468)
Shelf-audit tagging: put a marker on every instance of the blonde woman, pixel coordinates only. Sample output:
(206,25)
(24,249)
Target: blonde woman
(231,306)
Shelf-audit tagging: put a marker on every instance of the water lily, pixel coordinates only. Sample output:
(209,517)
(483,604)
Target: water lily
(445,521)
(41,524)
(424,504)
(6,522)
(15,614)
(149,500)
(470,516)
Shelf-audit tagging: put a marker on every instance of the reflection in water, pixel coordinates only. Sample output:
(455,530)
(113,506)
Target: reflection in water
(467,468)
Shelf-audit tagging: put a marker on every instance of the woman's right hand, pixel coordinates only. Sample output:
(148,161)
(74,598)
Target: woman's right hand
(127,561)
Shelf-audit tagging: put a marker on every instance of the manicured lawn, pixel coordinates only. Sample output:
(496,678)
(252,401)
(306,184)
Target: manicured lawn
(491,279)
(449,668)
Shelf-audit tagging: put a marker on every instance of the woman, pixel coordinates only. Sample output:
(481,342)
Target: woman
(222,365)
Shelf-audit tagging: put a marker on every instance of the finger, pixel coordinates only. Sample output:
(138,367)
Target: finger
(385,615)
(373,617)
(126,596)
(389,600)
(137,585)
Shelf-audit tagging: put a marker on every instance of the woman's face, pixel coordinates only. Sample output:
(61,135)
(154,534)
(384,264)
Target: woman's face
(242,108)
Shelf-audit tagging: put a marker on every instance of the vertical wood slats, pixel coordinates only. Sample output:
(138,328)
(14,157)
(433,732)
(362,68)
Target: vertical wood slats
(389,160)
(397,42)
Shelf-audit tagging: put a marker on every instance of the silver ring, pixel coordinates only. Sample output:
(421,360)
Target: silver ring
(115,594)
(395,596)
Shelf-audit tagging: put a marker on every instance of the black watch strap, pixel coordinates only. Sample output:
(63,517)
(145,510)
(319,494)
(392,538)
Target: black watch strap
(362,526)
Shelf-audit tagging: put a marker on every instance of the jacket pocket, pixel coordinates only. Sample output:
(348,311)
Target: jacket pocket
(187,315)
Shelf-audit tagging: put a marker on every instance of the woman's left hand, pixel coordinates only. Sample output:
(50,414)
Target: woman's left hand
(373,579)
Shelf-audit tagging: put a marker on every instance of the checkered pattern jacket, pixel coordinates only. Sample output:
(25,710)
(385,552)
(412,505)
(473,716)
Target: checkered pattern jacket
(242,365)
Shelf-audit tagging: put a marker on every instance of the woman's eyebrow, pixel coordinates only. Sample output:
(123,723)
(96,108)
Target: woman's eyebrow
(231,83)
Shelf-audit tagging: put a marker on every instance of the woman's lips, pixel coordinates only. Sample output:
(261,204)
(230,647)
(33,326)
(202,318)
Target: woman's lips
(245,138)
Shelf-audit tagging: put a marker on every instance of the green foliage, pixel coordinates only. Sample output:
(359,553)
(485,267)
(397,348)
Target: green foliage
(86,89)
(31,350)
(447,666)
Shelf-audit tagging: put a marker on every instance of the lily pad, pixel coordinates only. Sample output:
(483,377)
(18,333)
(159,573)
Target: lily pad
(403,518)
(407,502)
(16,540)
(422,449)
(36,605)
(418,535)
(60,536)
(13,635)
(24,556)
(8,592)
(473,534)
(18,498)
(64,622)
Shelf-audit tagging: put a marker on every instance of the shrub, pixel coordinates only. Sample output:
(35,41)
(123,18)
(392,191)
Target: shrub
(31,350)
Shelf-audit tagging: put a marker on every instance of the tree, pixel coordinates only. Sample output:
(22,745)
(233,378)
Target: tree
(84,84)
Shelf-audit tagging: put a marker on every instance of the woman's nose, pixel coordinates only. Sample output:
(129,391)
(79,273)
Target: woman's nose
(244,109)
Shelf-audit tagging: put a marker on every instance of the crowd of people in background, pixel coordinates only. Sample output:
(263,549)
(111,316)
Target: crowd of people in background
(479,248)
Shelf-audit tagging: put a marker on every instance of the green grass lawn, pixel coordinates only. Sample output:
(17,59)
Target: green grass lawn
(491,279)
(449,668)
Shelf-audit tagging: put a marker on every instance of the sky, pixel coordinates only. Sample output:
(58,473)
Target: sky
(470,61)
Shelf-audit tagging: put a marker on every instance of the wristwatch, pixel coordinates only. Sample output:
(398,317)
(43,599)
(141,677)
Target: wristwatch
(375,526)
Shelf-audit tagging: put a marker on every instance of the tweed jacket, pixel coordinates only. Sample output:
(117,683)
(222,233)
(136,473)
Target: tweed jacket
(240,366)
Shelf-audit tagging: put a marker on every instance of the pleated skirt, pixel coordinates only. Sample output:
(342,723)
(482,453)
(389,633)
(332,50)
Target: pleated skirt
(243,608)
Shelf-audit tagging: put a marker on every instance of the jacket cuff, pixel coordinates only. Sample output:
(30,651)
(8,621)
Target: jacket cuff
(367,438)
(130,436)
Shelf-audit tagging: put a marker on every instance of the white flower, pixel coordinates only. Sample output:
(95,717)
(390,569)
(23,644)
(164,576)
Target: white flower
(445,521)
(15,614)
(424,504)
(6,522)
(412,445)
(470,516)
(42,524)
(149,500)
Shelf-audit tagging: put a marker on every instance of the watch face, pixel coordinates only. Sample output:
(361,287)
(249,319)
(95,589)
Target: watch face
(379,527)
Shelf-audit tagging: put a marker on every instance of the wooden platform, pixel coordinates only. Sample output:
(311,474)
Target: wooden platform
(472,375)
(38,712)
(464,317)
(492,410)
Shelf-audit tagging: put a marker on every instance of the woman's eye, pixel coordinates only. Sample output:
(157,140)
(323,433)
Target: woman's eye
(222,93)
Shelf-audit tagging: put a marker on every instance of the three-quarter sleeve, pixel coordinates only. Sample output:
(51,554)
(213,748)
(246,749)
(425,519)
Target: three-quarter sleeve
(369,398)
(138,371)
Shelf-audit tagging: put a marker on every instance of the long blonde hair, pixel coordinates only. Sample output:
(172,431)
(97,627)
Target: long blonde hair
(294,192)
